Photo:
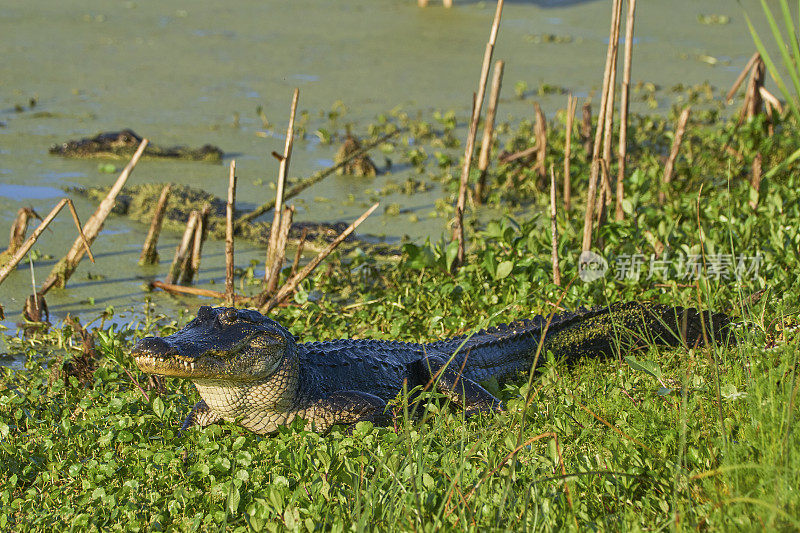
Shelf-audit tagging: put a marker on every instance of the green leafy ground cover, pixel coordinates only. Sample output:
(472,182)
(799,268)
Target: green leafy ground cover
(665,438)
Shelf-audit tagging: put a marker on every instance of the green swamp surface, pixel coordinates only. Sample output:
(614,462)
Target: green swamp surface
(179,73)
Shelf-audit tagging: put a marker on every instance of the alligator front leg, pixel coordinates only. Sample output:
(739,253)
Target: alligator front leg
(461,391)
(346,407)
(201,415)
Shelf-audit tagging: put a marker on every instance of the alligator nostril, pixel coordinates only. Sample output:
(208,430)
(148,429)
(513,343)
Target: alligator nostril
(153,346)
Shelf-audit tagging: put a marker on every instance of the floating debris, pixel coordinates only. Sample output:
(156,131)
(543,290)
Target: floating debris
(123,144)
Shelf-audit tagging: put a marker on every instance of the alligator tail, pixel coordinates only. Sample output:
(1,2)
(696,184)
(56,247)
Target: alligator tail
(621,327)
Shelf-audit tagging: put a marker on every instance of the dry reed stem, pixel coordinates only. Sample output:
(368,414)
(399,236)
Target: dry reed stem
(770,99)
(754,100)
(192,265)
(6,269)
(18,230)
(314,179)
(488,130)
(604,199)
(742,75)
(299,252)
(572,104)
(282,171)
(554,228)
(586,128)
(540,131)
(526,152)
(149,254)
(292,283)
(595,166)
(182,250)
(624,104)
(181,289)
(458,227)
(229,212)
(62,271)
(612,88)
(280,251)
(673,154)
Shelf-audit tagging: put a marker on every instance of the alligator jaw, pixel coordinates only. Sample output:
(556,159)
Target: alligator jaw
(167,366)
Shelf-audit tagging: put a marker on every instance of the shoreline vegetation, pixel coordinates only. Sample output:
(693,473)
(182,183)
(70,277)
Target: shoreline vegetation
(705,214)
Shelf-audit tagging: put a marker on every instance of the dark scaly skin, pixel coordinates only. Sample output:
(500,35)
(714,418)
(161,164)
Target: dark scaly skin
(248,368)
(122,145)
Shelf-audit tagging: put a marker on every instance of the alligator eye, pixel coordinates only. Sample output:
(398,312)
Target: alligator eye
(229,316)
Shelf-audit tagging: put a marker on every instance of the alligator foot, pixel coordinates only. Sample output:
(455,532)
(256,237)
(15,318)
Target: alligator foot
(349,408)
(201,415)
(461,391)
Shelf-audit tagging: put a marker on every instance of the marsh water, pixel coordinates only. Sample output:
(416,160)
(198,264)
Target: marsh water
(195,72)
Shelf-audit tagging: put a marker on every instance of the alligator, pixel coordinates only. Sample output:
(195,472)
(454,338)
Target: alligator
(249,369)
(123,144)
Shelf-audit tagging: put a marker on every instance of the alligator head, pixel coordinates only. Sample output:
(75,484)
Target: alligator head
(220,344)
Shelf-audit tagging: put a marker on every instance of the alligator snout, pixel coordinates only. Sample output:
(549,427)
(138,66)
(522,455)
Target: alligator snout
(153,346)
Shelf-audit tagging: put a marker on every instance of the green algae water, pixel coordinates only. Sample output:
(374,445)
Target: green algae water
(196,73)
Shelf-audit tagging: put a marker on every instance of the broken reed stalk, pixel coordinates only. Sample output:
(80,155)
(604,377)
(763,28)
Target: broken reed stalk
(458,227)
(314,179)
(572,105)
(149,254)
(299,252)
(742,75)
(754,102)
(553,228)
(280,251)
(62,271)
(540,131)
(18,230)
(595,165)
(292,283)
(181,289)
(229,211)
(521,154)
(624,104)
(770,103)
(23,249)
(586,127)
(35,309)
(673,154)
(488,130)
(192,264)
(182,251)
(275,228)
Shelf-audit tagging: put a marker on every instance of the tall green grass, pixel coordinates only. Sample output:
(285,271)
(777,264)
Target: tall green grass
(676,439)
